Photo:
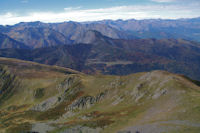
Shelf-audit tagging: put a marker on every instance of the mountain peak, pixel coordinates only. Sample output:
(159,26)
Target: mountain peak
(91,37)
(31,24)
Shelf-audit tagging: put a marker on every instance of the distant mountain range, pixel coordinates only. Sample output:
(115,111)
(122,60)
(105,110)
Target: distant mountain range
(108,47)
(117,56)
(38,34)
(188,29)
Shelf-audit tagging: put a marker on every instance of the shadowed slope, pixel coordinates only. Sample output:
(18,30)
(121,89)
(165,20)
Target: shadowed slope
(7,42)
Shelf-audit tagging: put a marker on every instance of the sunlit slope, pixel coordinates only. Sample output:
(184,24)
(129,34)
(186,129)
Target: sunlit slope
(43,98)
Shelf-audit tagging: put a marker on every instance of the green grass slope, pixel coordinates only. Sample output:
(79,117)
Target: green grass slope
(40,98)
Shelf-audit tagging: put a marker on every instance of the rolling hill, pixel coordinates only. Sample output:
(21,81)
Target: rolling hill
(40,98)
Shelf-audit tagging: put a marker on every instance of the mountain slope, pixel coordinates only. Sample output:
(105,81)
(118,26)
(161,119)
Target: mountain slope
(37,37)
(60,100)
(7,42)
(38,34)
(74,30)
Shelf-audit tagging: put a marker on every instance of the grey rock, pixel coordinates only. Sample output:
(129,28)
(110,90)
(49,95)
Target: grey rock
(86,101)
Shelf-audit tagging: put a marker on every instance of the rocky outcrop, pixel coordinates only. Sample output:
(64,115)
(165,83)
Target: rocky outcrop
(45,105)
(81,129)
(159,93)
(86,101)
(54,101)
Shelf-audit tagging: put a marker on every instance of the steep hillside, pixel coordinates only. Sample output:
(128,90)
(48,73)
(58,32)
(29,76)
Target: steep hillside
(74,30)
(58,100)
(37,37)
(7,42)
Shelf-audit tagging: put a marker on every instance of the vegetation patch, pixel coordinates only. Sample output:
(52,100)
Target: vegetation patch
(16,108)
(193,81)
(8,83)
(39,93)
(22,128)
(98,123)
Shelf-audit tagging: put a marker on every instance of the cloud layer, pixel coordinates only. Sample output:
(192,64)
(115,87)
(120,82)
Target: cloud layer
(119,12)
(163,1)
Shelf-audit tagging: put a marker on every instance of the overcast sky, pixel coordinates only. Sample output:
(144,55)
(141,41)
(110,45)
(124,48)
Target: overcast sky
(15,11)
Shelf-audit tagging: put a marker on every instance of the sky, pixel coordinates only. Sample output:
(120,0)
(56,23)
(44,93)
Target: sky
(15,11)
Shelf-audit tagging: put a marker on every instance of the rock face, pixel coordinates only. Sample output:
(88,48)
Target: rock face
(159,93)
(41,128)
(47,104)
(79,129)
(56,100)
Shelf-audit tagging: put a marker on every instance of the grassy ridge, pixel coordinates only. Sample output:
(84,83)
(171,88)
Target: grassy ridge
(59,100)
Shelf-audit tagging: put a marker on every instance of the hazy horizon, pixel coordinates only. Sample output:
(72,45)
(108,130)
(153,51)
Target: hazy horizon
(98,20)
(51,11)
